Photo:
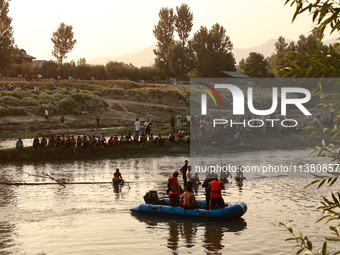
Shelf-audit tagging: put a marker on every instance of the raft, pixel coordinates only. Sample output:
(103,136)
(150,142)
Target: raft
(231,211)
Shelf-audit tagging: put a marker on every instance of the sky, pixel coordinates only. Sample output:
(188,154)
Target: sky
(112,28)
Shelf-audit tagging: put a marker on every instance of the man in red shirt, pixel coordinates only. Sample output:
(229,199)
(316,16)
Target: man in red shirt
(216,200)
(175,189)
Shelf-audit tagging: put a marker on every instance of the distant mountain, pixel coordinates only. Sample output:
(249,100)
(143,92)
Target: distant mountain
(146,56)
(141,58)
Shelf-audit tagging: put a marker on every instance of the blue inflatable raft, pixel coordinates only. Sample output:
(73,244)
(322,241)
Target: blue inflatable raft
(231,211)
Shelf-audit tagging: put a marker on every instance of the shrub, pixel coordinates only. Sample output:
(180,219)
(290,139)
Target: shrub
(67,105)
(12,111)
(44,98)
(18,93)
(7,101)
(29,101)
(40,109)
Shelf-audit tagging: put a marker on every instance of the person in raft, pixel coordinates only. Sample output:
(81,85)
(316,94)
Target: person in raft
(188,198)
(216,200)
(117,177)
(174,188)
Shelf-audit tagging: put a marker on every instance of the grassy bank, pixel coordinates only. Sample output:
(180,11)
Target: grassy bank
(124,151)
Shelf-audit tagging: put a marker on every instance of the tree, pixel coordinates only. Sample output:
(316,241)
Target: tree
(183,22)
(83,69)
(317,63)
(180,59)
(63,42)
(212,51)
(280,58)
(6,36)
(164,33)
(254,66)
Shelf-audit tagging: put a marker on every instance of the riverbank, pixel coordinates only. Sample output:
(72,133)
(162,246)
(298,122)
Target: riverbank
(259,142)
(125,151)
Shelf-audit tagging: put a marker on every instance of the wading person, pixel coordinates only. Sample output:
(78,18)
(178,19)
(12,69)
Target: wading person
(206,185)
(216,200)
(175,189)
(117,177)
(184,172)
(188,198)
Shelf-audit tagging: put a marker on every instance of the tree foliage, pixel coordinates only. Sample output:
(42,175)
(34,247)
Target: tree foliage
(316,61)
(254,66)
(6,36)
(212,51)
(206,54)
(183,22)
(63,42)
(164,33)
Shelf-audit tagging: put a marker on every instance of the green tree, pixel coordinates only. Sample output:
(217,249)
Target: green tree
(212,51)
(254,66)
(180,60)
(6,36)
(317,63)
(83,69)
(63,42)
(280,57)
(164,33)
(180,55)
(183,22)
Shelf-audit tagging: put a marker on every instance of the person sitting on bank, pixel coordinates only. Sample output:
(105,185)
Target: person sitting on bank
(188,198)
(174,188)
(117,177)
(19,145)
(62,119)
(36,143)
(216,200)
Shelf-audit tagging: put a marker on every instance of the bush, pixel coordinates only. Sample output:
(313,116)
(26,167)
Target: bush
(18,93)
(88,101)
(44,98)
(29,101)
(12,111)
(9,101)
(40,109)
(67,105)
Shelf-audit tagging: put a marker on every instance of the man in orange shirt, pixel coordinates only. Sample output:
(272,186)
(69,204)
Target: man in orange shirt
(175,189)
(216,200)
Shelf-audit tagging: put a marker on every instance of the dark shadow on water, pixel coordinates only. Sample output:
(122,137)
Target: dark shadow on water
(182,232)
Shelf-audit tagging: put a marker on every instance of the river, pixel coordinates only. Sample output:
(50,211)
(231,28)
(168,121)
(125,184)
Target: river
(96,218)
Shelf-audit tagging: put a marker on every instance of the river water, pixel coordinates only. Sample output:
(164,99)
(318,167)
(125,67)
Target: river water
(95,218)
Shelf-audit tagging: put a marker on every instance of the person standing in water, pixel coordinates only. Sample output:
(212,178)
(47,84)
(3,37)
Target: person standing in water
(117,177)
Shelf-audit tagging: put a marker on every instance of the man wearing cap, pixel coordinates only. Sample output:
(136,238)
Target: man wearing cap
(175,189)
(216,200)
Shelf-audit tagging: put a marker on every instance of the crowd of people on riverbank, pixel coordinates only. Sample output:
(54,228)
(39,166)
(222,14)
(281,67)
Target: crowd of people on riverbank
(73,142)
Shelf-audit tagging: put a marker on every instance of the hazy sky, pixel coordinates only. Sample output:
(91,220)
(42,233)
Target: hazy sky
(111,28)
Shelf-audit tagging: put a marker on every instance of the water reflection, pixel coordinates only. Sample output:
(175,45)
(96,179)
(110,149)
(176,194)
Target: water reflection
(239,183)
(7,229)
(182,232)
